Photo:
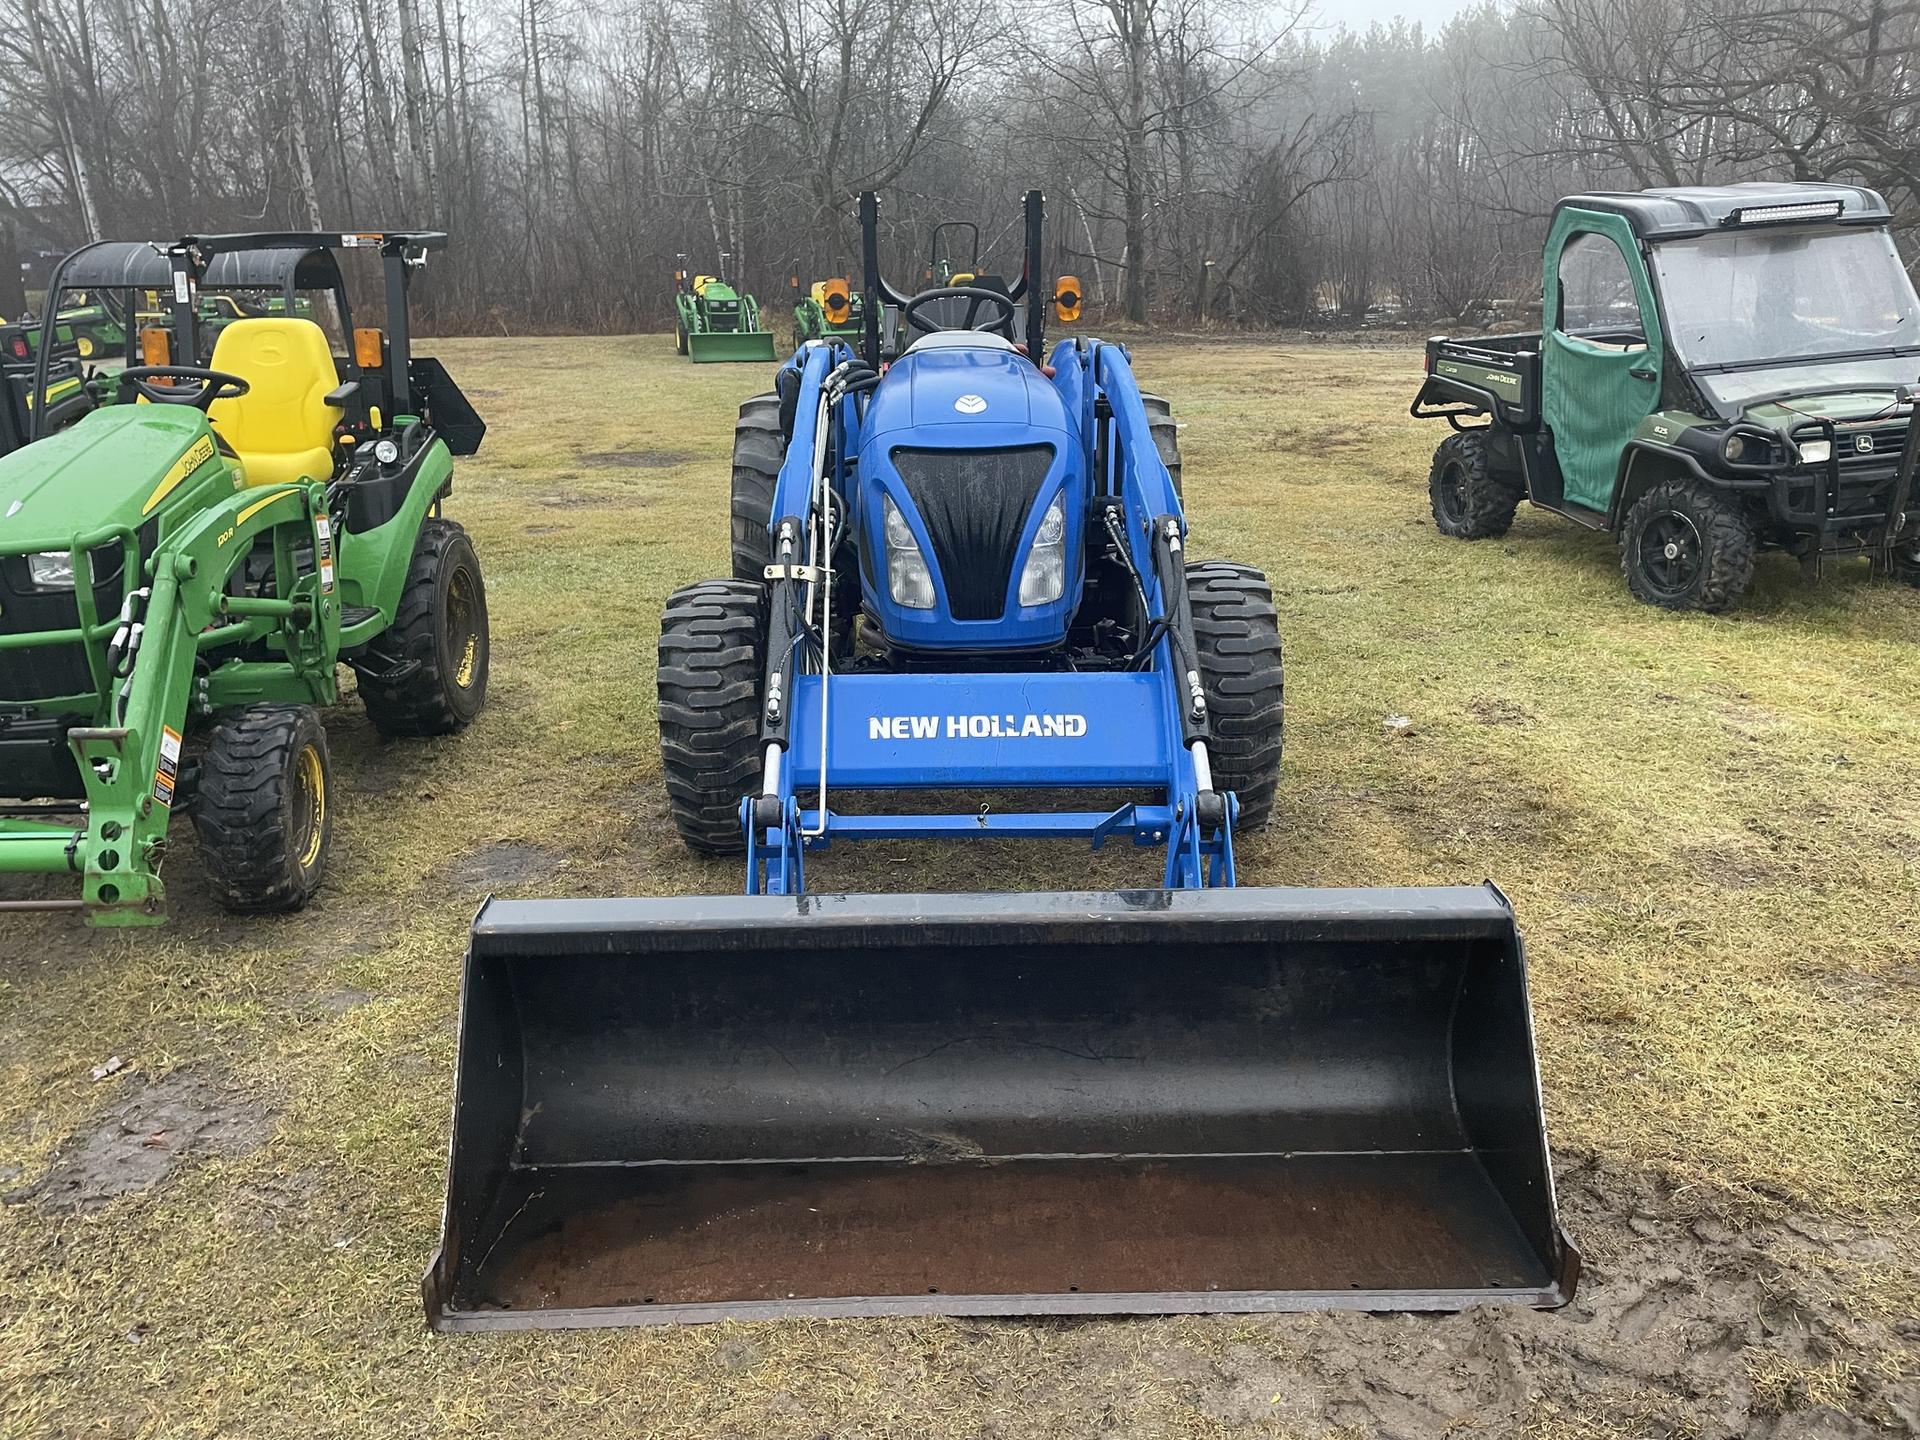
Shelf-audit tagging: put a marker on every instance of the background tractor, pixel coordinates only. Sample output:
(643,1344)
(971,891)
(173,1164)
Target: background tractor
(713,321)
(182,573)
(972,578)
(830,308)
(1724,370)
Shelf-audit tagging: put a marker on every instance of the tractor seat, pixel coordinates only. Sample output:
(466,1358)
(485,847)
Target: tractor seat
(282,428)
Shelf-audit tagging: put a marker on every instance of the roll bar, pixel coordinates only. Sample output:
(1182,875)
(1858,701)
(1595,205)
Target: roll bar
(879,293)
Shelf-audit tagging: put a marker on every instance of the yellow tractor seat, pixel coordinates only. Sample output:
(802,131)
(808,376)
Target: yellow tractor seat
(282,428)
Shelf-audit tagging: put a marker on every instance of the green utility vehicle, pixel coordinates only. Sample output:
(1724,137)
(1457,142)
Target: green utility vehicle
(1724,369)
(182,572)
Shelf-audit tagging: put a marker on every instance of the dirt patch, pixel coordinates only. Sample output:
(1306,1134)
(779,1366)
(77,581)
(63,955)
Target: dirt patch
(637,459)
(1695,1318)
(576,501)
(502,863)
(144,1137)
(541,529)
(1498,710)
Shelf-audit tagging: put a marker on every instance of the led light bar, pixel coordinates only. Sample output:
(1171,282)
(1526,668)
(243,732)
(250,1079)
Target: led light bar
(1781,214)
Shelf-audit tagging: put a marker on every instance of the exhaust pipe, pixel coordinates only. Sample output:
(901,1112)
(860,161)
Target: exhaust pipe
(674,1110)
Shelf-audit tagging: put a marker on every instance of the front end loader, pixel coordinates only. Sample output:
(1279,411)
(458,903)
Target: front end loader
(970,575)
(182,573)
(714,322)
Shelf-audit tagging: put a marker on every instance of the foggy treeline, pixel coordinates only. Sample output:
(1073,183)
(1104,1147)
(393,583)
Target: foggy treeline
(1204,160)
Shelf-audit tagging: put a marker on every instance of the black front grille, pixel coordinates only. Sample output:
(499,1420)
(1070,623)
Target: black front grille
(44,671)
(975,503)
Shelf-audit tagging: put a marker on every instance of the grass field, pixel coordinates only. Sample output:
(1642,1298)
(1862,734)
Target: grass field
(1710,828)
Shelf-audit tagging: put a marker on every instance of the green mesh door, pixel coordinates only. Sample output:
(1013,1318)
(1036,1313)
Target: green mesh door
(1603,350)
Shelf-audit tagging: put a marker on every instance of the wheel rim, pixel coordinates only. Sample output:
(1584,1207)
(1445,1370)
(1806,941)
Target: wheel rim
(463,628)
(1453,492)
(309,806)
(1672,556)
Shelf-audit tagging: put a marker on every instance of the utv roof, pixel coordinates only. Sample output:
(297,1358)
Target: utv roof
(1681,211)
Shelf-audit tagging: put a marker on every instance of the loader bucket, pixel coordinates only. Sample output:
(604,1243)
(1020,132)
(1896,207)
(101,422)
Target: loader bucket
(1149,1102)
(705,346)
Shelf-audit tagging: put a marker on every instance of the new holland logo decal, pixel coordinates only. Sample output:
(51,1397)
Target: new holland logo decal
(970,404)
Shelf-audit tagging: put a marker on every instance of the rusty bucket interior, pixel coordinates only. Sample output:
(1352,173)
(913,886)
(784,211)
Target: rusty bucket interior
(1132,1102)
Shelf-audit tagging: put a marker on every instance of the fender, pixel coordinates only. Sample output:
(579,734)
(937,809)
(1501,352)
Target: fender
(374,562)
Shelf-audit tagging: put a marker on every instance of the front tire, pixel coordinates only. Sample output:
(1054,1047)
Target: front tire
(1687,546)
(426,674)
(1243,677)
(263,810)
(1166,436)
(1470,500)
(712,663)
(1904,563)
(759,446)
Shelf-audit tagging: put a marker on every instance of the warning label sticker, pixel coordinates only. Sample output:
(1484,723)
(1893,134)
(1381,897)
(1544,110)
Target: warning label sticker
(323,549)
(168,774)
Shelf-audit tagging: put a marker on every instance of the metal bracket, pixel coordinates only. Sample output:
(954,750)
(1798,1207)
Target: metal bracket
(805,574)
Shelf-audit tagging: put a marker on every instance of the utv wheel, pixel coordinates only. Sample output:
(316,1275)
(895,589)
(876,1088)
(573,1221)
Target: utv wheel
(713,646)
(1470,501)
(1241,673)
(1904,563)
(427,673)
(263,807)
(1687,546)
(1166,436)
(758,449)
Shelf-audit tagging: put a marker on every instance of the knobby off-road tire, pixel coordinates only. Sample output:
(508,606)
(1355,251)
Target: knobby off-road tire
(1166,436)
(1470,501)
(713,646)
(263,810)
(426,674)
(679,338)
(1242,675)
(758,449)
(1687,546)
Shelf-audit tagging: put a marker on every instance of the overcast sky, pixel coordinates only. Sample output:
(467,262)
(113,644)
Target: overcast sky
(1359,14)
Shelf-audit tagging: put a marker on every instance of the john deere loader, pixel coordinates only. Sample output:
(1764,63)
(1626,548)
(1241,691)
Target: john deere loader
(973,576)
(713,321)
(182,573)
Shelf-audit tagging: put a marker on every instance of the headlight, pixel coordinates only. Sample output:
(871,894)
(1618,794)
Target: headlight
(1815,452)
(908,579)
(1045,576)
(53,569)
(1738,449)
(386,452)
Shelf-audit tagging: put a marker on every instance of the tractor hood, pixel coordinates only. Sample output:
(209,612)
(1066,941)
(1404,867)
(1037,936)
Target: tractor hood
(116,466)
(958,379)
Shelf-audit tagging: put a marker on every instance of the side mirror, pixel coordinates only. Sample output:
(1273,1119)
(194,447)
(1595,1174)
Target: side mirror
(1066,299)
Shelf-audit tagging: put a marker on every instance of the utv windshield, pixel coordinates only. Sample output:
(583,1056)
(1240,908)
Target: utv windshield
(1768,297)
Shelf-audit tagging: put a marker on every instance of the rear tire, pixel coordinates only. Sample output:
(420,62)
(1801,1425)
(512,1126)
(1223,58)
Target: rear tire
(426,674)
(1687,546)
(1470,500)
(1166,436)
(1242,673)
(262,810)
(758,448)
(713,647)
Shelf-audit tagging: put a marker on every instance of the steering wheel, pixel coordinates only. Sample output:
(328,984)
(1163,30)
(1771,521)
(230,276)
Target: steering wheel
(151,382)
(1007,308)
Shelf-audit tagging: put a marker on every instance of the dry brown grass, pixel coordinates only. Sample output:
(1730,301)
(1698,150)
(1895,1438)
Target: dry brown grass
(1710,829)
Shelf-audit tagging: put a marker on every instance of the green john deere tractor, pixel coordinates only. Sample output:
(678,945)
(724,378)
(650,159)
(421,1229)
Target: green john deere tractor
(182,572)
(713,321)
(831,309)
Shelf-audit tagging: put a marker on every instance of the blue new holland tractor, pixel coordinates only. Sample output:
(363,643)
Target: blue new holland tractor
(960,569)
